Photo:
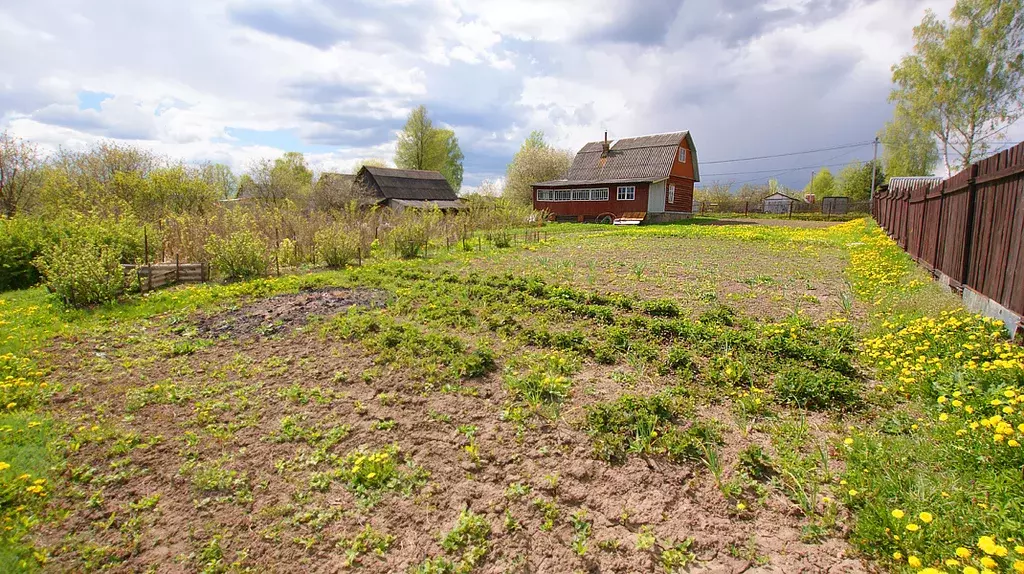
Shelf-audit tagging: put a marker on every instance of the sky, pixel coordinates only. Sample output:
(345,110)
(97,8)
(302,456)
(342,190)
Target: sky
(233,81)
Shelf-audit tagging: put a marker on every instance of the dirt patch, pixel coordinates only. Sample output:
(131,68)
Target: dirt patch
(284,313)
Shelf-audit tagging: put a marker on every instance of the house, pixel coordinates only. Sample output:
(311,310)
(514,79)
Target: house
(779,203)
(646,178)
(402,189)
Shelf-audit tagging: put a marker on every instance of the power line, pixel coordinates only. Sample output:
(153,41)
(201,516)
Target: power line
(815,166)
(790,170)
(844,146)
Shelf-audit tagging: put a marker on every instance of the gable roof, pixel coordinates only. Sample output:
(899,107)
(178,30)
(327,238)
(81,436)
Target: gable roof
(414,184)
(912,183)
(779,196)
(645,158)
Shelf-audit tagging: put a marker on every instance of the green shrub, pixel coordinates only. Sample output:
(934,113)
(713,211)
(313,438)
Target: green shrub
(81,273)
(21,242)
(816,390)
(241,255)
(336,246)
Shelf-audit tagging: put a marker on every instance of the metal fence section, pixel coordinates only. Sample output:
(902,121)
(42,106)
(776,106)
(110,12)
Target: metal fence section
(968,228)
(829,206)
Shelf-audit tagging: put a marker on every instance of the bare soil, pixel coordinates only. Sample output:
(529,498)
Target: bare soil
(239,393)
(282,313)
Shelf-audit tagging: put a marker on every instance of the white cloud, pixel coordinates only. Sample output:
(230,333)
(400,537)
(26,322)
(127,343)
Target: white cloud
(339,76)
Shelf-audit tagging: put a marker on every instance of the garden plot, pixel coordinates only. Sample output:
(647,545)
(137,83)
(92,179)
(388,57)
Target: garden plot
(476,423)
(761,278)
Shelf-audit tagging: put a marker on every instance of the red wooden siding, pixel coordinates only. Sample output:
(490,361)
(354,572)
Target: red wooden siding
(683,169)
(684,195)
(592,209)
(969,227)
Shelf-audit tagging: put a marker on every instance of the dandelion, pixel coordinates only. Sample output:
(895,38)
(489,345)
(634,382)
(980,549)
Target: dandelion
(897,556)
(848,441)
(914,561)
(853,492)
(988,562)
(970,570)
(913,527)
(897,514)
(4,465)
(741,506)
(925,517)
(963,553)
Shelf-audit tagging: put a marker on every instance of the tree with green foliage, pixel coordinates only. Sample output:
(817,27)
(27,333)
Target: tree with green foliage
(822,185)
(20,175)
(221,179)
(287,178)
(535,161)
(907,148)
(854,181)
(422,146)
(964,81)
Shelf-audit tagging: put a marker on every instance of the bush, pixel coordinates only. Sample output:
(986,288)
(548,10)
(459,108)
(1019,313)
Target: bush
(241,255)
(336,246)
(82,273)
(21,242)
(660,308)
(816,390)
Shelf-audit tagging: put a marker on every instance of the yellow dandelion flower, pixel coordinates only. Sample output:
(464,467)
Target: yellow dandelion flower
(4,465)
(913,527)
(897,513)
(897,556)
(970,570)
(914,561)
(963,552)
(988,562)
(848,440)
(925,517)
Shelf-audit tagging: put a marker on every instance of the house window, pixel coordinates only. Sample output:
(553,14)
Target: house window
(627,192)
(682,155)
(671,193)
(597,194)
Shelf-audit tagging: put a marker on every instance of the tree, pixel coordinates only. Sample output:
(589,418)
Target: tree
(854,180)
(907,148)
(822,185)
(221,179)
(964,82)
(535,161)
(20,175)
(422,146)
(715,193)
(287,178)
(368,162)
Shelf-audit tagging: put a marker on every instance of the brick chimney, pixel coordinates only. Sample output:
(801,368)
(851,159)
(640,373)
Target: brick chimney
(604,145)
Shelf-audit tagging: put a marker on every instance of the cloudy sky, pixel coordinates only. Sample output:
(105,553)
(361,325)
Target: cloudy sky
(235,80)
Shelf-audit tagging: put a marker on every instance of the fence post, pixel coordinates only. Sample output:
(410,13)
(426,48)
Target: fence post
(746,208)
(791,210)
(177,268)
(969,231)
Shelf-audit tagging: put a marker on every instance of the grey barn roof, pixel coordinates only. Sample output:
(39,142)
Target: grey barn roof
(408,184)
(645,158)
(912,183)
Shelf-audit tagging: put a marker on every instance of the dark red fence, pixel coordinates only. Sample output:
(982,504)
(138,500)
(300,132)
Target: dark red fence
(969,227)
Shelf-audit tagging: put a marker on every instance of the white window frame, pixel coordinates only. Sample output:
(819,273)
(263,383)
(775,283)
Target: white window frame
(567,195)
(626,193)
(682,155)
(671,193)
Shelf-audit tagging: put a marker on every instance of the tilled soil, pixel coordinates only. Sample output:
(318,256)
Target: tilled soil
(239,395)
(283,313)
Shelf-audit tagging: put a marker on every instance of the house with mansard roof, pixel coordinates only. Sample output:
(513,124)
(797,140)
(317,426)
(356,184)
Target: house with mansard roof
(629,181)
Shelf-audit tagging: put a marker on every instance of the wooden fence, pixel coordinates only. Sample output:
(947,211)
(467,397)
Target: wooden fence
(159,275)
(968,228)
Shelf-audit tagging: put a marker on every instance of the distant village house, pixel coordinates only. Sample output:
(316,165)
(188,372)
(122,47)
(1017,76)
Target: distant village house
(779,203)
(647,178)
(398,189)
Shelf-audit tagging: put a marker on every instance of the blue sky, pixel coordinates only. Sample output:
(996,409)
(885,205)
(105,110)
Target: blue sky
(238,80)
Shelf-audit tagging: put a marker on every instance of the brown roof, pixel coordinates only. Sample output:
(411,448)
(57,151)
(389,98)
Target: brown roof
(414,184)
(645,158)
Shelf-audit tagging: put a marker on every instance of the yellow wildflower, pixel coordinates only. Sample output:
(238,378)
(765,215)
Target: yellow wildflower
(913,527)
(914,561)
(925,517)
(897,513)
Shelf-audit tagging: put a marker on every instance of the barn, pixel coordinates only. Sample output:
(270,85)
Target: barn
(779,203)
(647,178)
(398,189)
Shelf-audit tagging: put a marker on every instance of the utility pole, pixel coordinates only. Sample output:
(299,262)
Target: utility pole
(874,168)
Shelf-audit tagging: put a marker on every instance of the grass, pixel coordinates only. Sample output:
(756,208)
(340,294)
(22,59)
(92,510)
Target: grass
(816,363)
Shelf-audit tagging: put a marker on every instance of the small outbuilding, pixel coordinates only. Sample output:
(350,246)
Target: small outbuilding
(779,203)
